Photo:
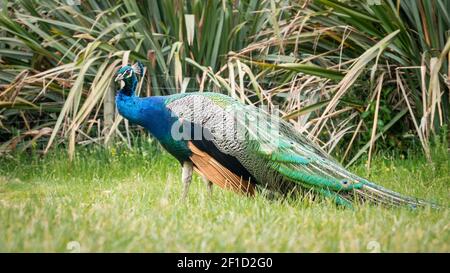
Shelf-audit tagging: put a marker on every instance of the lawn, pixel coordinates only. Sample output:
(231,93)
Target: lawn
(120,200)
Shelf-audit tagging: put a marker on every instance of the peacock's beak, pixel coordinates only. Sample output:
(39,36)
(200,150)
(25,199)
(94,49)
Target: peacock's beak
(119,78)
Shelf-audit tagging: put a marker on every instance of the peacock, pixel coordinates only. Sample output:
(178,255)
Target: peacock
(241,148)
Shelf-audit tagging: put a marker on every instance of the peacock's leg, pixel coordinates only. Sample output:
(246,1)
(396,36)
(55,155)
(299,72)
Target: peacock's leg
(208,184)
(186,177)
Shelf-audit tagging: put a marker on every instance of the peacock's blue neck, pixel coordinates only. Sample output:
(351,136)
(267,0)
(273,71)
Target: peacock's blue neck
(152,114)
(128,107)
(149,112)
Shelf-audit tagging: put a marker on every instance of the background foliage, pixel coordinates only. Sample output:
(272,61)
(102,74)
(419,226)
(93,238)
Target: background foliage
(349,74)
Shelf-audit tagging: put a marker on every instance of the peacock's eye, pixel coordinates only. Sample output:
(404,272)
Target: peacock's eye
(128,73)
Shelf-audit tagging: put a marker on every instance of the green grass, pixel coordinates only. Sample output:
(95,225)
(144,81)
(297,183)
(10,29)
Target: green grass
(121,201)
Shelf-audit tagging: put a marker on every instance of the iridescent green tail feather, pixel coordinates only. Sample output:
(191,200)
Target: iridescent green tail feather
(301,162)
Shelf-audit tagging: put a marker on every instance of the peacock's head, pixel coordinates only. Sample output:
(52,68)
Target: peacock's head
(129,72)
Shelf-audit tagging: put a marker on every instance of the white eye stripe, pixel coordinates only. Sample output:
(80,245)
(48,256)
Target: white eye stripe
(126,74)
